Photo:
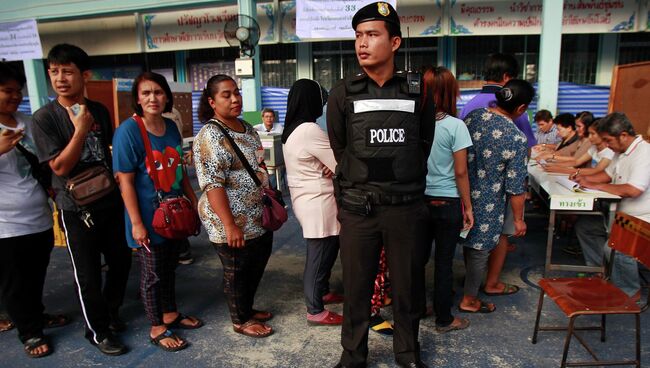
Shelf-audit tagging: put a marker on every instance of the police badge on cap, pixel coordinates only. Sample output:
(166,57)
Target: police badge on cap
(375,11)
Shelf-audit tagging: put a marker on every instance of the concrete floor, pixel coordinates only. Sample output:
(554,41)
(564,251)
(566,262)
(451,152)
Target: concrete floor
(500,339)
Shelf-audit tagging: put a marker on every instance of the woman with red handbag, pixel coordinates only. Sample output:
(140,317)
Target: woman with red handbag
(231,205)
(144,181)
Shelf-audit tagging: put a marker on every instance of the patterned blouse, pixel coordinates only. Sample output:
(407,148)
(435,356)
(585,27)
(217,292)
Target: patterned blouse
(497,165)
(217,166)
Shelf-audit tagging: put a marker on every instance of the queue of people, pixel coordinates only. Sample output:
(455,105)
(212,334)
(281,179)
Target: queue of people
(396,177)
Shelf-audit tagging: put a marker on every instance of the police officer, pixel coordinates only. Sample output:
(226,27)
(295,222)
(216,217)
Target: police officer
(381,138)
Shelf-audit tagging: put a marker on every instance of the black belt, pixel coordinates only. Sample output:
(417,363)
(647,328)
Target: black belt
(390,199)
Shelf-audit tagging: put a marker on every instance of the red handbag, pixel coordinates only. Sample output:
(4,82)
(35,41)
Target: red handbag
(175,217)
(274,213)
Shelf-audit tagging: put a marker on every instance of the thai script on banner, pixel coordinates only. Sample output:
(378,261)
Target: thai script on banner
(525,17)
(200,28)
(20,41)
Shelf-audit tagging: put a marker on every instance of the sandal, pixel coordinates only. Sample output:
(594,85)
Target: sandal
(381,326)
(462,324)
(168,335)
(508,289)
(243,329)
(33,344)
(6,325)
(55,320)
(261,316)
(178,322)
(484,308)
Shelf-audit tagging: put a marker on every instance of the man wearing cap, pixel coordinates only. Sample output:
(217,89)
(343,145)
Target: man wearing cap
(381,137)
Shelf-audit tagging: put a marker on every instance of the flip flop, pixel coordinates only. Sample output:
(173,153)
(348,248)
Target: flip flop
(55,320)
(241,329)
(8,325)
(464,323)
(261,316)
(177,323)
(484,308)
(508,289)
(34,343)
(157,341)
(381,326)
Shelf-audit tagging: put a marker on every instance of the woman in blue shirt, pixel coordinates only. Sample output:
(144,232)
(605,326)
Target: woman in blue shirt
(447,191)
(151,97)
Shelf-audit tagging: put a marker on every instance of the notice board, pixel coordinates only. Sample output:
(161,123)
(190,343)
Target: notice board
(630,93)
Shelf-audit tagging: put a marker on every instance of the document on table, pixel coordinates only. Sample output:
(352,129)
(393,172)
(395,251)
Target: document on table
(573,186)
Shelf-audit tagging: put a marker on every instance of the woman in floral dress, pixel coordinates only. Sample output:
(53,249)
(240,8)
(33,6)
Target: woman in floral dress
(497,169)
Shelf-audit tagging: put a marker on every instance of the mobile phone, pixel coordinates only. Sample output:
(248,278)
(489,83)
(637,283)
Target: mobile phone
(75,109)
(463,234)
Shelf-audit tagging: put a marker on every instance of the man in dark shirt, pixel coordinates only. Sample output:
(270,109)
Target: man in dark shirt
(73,133)
(381,139)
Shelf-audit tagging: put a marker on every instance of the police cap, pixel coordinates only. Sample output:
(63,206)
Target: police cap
(376,11)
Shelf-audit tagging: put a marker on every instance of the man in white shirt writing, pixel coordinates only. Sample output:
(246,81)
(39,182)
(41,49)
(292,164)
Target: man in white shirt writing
(629,177)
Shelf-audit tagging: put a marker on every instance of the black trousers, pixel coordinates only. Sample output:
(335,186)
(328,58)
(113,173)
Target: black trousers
(401,229)
(23,265)
(321,256)
(445,224)
(243,269)
(86,247)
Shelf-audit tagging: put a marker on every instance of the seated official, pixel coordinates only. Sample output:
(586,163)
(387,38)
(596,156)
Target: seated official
(269,126)
(547,135)
(568,146)
(598,156)
(628,177)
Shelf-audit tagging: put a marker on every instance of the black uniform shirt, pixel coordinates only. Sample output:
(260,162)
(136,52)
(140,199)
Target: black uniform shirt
(336,119)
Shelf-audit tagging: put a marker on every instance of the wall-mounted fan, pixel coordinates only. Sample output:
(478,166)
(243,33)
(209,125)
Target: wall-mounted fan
(244,32)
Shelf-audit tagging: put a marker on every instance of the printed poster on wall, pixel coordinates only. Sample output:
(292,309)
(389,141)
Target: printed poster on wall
(328,19)
(20,41)
(200,28)
(476,17)
(419,18)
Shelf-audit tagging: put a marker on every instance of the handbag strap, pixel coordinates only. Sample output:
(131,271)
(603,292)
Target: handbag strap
(239,153)
(148,152)
(30,157)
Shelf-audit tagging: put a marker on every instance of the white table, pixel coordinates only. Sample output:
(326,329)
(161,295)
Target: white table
(564,201)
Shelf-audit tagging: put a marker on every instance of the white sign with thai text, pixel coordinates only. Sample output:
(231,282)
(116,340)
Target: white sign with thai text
(580,203)
(20,41)
(326,19)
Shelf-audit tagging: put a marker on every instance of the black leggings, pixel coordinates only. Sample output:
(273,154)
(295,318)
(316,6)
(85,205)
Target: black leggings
(242,272)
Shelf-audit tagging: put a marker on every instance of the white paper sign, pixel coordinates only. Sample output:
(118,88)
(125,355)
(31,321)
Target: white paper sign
(328,18)
(580,203)
(20,41)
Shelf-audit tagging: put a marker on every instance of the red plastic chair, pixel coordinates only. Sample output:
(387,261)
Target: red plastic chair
(597,296)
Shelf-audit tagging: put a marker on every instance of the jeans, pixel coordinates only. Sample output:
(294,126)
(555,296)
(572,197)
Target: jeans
(445,224)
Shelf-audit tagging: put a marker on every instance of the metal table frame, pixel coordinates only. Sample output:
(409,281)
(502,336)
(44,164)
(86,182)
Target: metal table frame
(545,186)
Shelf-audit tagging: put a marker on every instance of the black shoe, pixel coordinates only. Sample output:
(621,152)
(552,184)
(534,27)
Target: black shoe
(416,364)
(111,346)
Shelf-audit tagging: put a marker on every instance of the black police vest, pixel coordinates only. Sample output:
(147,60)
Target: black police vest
(383,138)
